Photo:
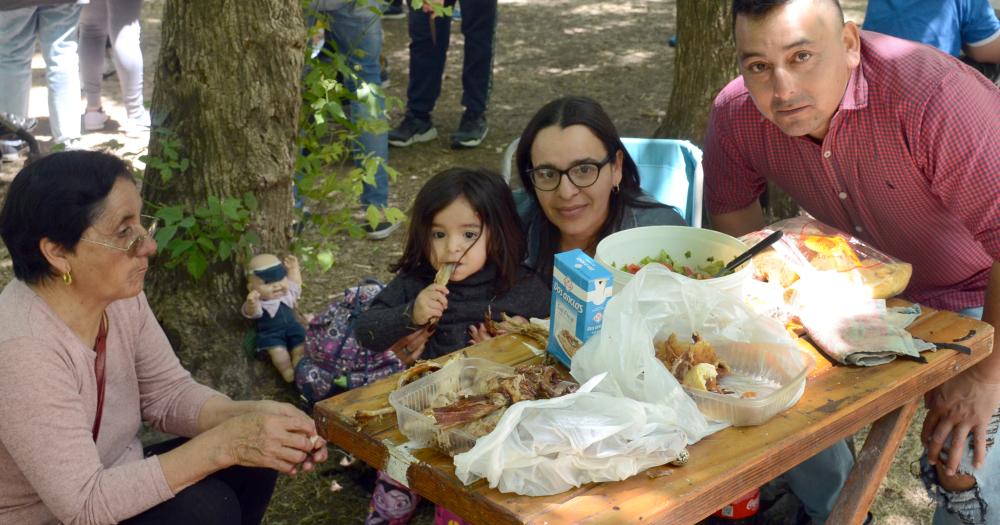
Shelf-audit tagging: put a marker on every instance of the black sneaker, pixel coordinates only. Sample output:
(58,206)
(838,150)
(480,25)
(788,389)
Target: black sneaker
(471,131)
(380,231)
(394,11)
(412,130)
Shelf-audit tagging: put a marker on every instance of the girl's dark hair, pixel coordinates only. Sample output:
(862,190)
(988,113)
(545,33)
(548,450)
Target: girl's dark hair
(491,199)
(56,197)
(571,111)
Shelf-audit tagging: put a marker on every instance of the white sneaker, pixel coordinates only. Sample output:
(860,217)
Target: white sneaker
(94,120)
(136,127)
(10,150)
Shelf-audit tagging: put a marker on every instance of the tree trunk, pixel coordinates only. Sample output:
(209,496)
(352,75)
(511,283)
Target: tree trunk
(704,63)
(228,89)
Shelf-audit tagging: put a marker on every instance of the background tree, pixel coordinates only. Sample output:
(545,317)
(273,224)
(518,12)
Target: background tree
(221,158)
(704,63)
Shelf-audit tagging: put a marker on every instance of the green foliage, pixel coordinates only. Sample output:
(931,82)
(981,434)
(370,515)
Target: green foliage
(216,232)
(328,182)
(171,163)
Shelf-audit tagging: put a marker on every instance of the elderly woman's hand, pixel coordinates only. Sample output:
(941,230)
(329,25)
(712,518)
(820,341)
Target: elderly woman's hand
(279,441)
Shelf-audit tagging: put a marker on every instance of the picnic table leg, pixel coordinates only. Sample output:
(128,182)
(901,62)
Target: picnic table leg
(872,465)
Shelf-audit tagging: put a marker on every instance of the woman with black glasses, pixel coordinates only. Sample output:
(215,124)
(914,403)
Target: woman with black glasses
(83,363)
(580,183)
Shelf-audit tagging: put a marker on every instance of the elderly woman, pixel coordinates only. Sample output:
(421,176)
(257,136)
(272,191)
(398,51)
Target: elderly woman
(581,184)
(83,363)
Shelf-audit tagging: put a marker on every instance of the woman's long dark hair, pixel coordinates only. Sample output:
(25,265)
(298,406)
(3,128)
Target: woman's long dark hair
(491,199)
(571,111)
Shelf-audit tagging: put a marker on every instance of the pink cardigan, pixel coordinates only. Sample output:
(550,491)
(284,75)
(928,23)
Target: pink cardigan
(50,468)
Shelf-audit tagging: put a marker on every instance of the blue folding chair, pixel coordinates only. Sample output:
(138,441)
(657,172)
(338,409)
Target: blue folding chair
(669,170)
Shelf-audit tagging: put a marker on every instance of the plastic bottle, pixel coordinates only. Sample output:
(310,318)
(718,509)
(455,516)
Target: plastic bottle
(740,512)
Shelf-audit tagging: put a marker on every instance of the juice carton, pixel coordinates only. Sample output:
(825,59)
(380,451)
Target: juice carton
(581,289)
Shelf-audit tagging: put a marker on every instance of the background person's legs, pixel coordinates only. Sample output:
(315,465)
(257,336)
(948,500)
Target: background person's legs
(354,30)
(57,31)
(818,480)
(479,21)
(17,43)
(427,59)
(93,36)
(125,33)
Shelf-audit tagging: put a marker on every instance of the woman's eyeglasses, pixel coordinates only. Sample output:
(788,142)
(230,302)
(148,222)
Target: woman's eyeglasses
(132,243)
(581,175)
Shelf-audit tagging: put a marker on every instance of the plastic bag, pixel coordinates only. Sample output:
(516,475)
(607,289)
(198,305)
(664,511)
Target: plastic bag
(810,244)
(835,286)
(658,301)
(549,446)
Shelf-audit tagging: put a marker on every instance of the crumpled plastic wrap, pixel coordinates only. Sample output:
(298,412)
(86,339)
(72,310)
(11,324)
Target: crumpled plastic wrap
(549,446)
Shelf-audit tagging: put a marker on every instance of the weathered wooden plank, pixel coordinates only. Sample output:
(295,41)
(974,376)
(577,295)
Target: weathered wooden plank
(872,464)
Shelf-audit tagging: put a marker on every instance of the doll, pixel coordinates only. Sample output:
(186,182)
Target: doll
(273,290)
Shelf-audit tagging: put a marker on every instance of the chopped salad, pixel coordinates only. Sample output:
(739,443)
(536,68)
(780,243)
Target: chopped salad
(708,270)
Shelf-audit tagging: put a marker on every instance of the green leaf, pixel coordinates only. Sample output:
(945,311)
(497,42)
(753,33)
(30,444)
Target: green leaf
(178,247)
(231,207)
(165,235)
(170,214)
(325,259)
(225,250)
(206,244)
(250,201)
(187,222)
(196,264)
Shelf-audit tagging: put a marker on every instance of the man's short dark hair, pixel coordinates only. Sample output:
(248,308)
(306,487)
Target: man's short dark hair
(759,8)
(56,197)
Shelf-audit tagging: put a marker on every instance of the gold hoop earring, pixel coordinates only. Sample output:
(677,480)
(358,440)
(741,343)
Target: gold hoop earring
(67,278)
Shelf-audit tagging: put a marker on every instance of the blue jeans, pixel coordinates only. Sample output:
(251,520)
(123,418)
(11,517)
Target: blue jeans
(817,481)
(427,57)
(355,28)
(56,28)
(987,480)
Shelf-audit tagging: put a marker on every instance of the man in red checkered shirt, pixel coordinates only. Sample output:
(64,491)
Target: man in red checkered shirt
(899,145)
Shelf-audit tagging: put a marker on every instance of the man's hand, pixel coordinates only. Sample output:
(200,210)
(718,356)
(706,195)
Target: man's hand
(428,8)
(962,405)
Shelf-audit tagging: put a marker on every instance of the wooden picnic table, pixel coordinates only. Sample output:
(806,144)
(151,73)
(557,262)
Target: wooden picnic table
(838,402)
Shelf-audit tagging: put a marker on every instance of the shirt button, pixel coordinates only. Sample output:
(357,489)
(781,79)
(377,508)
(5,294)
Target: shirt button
(842,195)
(826,154)
(858,229)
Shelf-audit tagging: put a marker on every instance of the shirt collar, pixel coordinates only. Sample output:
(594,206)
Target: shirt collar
(856,95)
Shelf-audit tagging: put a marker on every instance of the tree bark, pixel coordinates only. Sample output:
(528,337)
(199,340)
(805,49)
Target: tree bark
(228,85)
(704,63)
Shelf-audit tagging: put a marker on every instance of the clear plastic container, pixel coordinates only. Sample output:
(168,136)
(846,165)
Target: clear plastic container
(775,373)
(469,375)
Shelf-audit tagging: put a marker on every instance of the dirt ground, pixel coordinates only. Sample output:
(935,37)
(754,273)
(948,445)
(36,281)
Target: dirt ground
(615,51)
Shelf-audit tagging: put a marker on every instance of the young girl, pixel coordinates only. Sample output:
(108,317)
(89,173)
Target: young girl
(467,218)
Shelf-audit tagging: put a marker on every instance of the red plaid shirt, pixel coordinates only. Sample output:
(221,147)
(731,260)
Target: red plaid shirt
(910,165)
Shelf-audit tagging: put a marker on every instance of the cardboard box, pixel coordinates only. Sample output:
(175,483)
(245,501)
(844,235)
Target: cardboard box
(581,289)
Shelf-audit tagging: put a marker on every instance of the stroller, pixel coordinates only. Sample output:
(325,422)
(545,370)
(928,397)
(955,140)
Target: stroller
(15,135)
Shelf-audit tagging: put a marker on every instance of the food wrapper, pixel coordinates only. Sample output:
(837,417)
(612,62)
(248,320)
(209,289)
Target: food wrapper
(808,243)
(835,286)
